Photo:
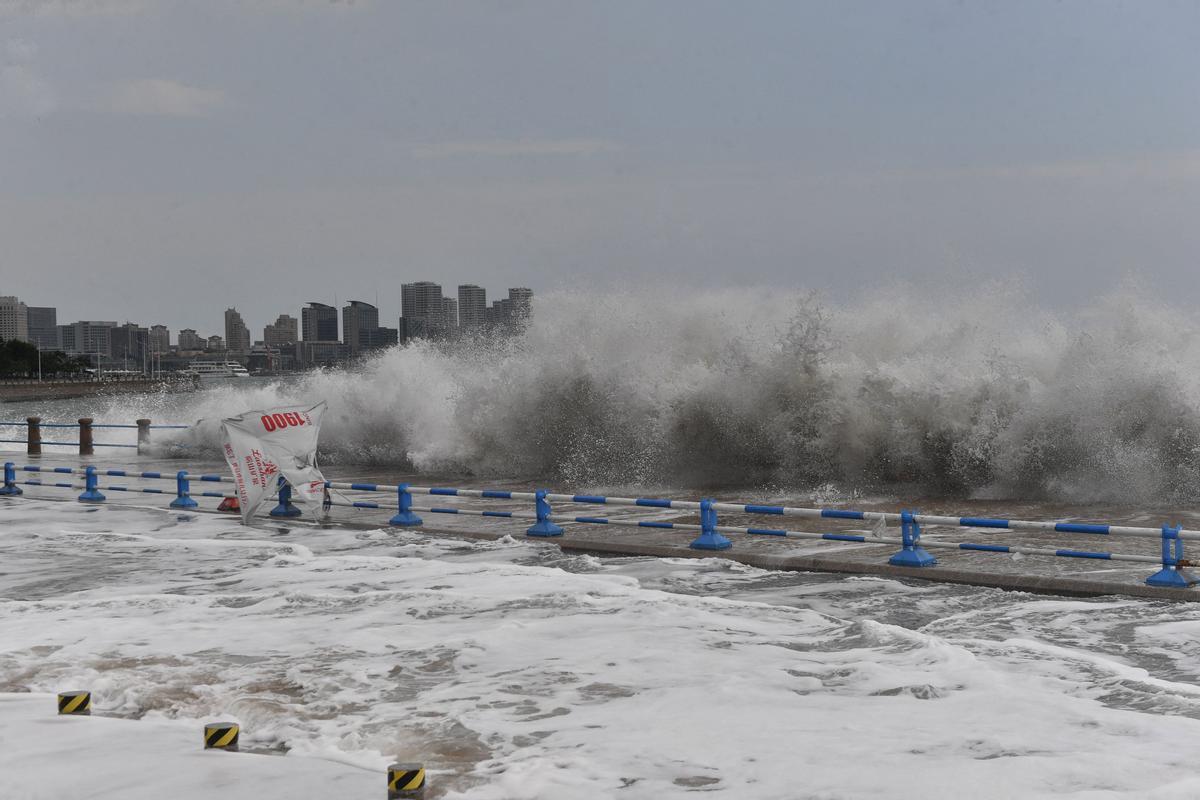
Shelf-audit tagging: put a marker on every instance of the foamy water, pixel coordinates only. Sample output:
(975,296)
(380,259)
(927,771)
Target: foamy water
(516,672)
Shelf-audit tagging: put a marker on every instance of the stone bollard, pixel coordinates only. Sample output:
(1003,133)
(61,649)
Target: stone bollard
(33,440)
(85,436)
(143,434)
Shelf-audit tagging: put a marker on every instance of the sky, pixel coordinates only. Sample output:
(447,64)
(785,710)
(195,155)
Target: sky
(161,161)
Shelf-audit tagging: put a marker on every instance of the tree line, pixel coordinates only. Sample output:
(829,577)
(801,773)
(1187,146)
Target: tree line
(19,359)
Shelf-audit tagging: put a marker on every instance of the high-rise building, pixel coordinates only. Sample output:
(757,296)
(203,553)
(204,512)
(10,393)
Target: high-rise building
(449,315)
(472,307)
(42,323)
(421,303)
(522,304)
(189,340)
(282,333)
(14,319)
(319,323)
(160,339)
(237,335)
(359,321)
(129,344)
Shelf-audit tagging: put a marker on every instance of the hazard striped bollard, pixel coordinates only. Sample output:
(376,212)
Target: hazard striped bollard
(75,704)
(406,780)
(221,736)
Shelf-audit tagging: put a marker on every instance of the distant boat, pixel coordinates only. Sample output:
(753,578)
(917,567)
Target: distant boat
(215,371)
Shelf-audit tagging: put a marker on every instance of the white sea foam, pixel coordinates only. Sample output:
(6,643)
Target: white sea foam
(628,678)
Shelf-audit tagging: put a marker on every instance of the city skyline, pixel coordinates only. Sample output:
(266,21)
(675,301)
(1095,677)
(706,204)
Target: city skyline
(321,334)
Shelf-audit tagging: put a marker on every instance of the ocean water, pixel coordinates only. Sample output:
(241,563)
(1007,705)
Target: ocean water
(514,671)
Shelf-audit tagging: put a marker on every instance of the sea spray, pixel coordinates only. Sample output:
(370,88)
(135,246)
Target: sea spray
(943,394)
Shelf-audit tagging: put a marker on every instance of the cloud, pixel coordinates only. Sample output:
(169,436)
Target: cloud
(72,8)
(516,147)
(1184,164)
(23,93)
(164,98)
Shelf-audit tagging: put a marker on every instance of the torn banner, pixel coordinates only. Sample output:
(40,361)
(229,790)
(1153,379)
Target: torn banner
(262,445)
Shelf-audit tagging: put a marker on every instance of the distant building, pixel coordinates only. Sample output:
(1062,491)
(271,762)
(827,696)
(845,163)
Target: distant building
(411,328)
(189,340)
(160,339)
(522,304)
(472,307)
(237,335)
(129,344)
(422,302)
(42,323)
(284,332)
(87,338)
(215,344)
(359,322)
(319,323)
(14,319)
(378,338)
(320,354)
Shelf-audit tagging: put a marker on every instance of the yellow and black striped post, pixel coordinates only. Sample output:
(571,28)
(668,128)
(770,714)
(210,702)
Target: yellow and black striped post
(406,780)
(75,704)
(221,736)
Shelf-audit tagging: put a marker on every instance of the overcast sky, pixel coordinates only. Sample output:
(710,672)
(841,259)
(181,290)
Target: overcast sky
(160,161)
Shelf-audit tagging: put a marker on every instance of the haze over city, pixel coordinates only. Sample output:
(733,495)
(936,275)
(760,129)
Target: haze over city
(194,156)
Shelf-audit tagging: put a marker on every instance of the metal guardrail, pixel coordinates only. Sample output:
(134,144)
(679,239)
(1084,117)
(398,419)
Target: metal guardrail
(33,437)
(913,550)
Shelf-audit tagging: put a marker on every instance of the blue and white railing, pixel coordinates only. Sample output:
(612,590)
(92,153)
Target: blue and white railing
(709,534)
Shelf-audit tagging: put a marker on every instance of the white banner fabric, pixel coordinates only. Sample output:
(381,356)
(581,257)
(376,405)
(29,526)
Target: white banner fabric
(262,445)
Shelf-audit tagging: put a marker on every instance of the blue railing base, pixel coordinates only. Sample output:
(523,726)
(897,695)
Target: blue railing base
(187,502)
(91,496)
(913,557)
(285,509)
(544,528)
(406,519)
(710,541)
(1172,577)
(10,491)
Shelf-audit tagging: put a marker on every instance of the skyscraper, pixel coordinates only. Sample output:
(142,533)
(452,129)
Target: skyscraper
(14,319)
(359,322)
(42,323)
(449,315)
(237,335)
(472,307)
(522,304)
(421,300)
(319,323)
(129,344)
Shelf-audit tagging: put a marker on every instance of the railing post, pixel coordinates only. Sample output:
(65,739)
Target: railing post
(543,526)
(1172,573)
(85,436)
(33,439)
(10,487)
(911,553)
(404,513)
(183,489)
(90,493)
(143,434)
(709,539)
(285,507)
